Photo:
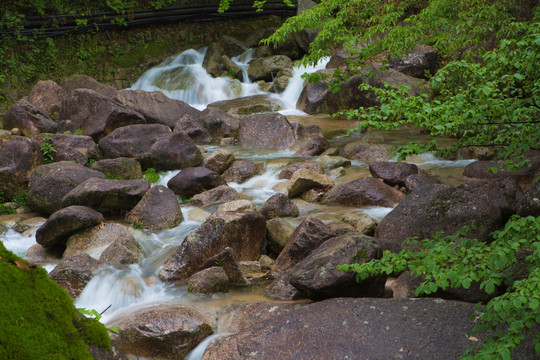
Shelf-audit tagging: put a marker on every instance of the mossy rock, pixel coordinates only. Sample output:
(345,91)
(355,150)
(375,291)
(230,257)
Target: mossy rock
(38,318)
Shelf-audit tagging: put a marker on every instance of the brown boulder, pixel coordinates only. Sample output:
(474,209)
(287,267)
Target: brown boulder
(122,168)
(288,171)
(363,192)
(30,119)
(220,124)
(194,180)
(417,181)
(212,59)
(248,105)
(281,289)
(243,232)
(48,96)
(278,233)
(74,273)
(158,210)
(50,183)
(107,196)
(65,222)
(208,281)
(194,128)
(266,131)
(219,160)
(241,170)
(217,194)
(86,82)
(77,148)
(422,59)
(237,205)
(267,68)
(480,169)
(122,252)
(227,260)
(303,180)
(368,153)
(312,147)
(279,205)
(392,173)
(93,240)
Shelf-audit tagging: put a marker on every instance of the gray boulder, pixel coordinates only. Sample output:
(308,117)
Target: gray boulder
(158,210)
(122,168)
(208,281)
(194,180)
(241,170)
(266,131)
(289,170)
(77,148)
(94,240)
(122,252)
(279,205)
(48,96)
(219,160)
(30,119)
(363,192)
(217,194)
(392,173)
(267,68)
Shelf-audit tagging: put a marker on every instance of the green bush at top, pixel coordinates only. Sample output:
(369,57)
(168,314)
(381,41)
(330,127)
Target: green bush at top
(151,175)
(38,318)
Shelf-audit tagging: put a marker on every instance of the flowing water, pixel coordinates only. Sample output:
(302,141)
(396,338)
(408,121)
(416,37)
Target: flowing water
(183,77)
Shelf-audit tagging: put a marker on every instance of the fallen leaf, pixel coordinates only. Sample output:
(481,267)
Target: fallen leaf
(21,265)
(472,338)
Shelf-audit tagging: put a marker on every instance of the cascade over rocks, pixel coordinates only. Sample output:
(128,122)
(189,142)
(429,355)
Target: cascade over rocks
(65,222)
(242,170)
(19,156)
(243,232)
(318,275)
(78,148)
(74,273)
(29,118)
(107,196)
(363,192)
(155,106)
(158,210)
(48,96)
(385,328)
(153,145)
(485,204)
(164,331)
(95,114)
(266,131)
(194,180)
(50,183)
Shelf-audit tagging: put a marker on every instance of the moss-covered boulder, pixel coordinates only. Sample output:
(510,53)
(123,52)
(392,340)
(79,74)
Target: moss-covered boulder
(38,318)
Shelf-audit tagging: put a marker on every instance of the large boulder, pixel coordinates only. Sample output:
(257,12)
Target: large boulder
(158,210)
(74,273)
(208,281)
(95,114)
(212,59)
(19,156)
(266,131)
(194,127)
(220,124)
(77,148)
(107,196)
(119,168)
(153,145)
(194,180)
(312,147)
(241,170)
(318,275)
(86,82)
(219,160)
(248,105)
(480,169)
(267,68)
(485,204)
(317,97)
(278,233)
(392,173)
(163,331)
(231,46)
(282,290)
(94,240)
(155,107)
(217,194)
(122,252)
(50,183)
(416,181)
(227,260)
(48,96)
(65,222)
(243,232)
(366,152)
(363,192)
(344,328)
(30,119)
(307,236)
(303,180)
(279,205)
(289,170)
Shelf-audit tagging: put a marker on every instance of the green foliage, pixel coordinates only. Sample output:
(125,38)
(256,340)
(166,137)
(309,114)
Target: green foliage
(21,199)
(454,261)
(37,316)
(151,175)
(94,314)
(112,176)
(47,149)
(6,209)
(138,226)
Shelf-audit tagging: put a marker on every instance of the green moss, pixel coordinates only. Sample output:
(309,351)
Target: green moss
(38,318)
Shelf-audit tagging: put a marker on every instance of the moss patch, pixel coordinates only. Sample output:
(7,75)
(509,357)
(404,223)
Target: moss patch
(38,318)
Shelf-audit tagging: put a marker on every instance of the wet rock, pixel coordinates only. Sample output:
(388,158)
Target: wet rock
(362,223)
(39,255)
(248,105)
(237,205)
(332,162)
(363,192)
(219,160)
(86,82)
(392,173)
(165,331)
(241,170)
(303,180)
(266,131)
(29,224)
(74,148)
(30,119)
(422,59)
(122,168)
(220,124)
(341,228)
(217,194)
(266,261)
(267,68)
(230,68)
(158,210)
(194,180)
(227,261)
(417,181)
(479,169)
(288,171)
(243,232)
(19,156)
(155,106)
(95,114)
(208,281)
(308,236)
(122,252)
(65,222)
(322,330)
(280,289)
(485,204)
(250,269)
(153,145)
(212,59)
(48,96)
(107,196)
(278,233)
(94,240)
(318,275)
(231,46)
(312,147)
(74,273)
(194,127)
(50,183)
(279,205)
(367,153)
